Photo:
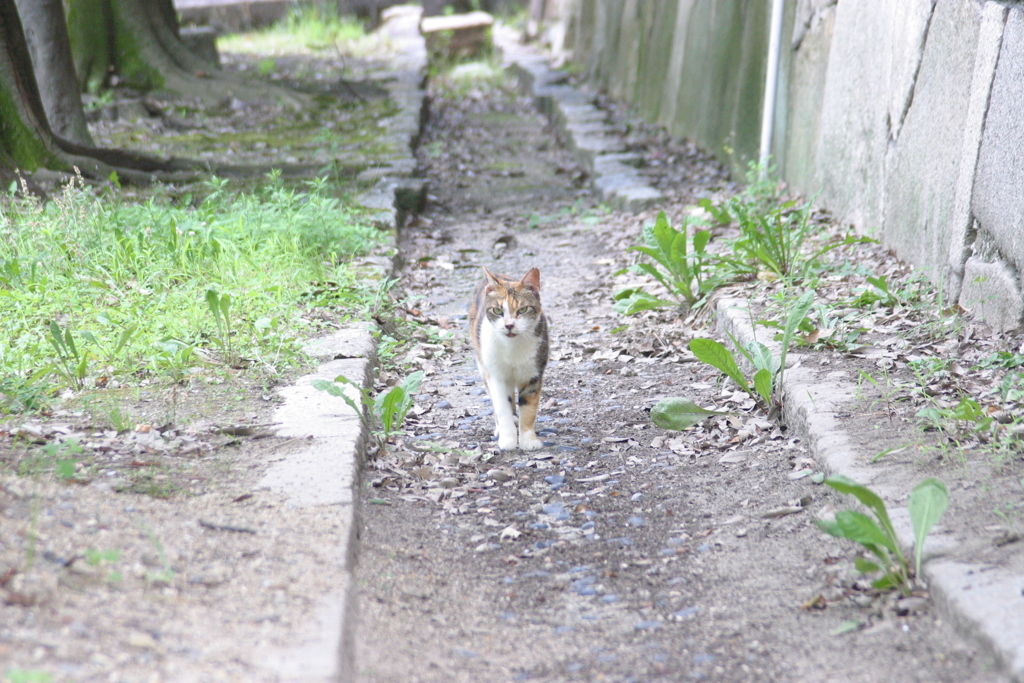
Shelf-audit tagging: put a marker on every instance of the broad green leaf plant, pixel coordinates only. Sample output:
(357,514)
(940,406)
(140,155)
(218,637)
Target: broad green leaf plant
(389,407)
(927,503)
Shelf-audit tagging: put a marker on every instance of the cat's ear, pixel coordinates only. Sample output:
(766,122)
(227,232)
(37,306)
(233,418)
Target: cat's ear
(531,279)
(490,280)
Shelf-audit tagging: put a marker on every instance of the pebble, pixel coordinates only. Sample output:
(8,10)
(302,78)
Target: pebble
(647,625)
(555,479)
(609,597)
(545,418)
(500,475)
(704,547)
(477,391)
(621,540)
(587,526)
(539,526)
(548,431)
(554,509)
(537,574)
(443,404)
(567,449)
(635,521)
(685,613)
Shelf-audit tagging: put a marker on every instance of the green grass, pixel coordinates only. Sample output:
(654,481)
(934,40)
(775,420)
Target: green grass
(315,29)
(96,286)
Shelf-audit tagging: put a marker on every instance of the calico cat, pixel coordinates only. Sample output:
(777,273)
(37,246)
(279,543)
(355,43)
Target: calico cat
(510,337)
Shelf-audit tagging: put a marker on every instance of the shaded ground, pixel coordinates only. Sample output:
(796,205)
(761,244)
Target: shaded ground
(620,552)
(158,558)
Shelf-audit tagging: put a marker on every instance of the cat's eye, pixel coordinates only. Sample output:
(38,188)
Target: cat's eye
(497,310)
(525,310)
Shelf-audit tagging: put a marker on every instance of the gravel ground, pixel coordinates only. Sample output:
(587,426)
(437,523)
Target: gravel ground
(620,552)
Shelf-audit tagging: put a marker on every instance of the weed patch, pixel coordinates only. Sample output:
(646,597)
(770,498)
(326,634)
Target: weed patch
(97,291)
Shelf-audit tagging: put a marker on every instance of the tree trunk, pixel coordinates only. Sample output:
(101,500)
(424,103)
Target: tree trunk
(90,29)
(47,37)
(137,41)
(27,142)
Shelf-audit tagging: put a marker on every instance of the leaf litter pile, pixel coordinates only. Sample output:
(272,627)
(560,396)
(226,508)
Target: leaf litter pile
(622,551)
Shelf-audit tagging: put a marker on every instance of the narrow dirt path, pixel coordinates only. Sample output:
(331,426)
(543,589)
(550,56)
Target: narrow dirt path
(620,552)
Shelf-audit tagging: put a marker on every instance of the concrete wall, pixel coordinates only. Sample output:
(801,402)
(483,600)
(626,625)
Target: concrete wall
(904,117)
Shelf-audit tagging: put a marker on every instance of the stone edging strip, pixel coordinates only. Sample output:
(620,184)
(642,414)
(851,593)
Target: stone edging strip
(983,601)
(326,473)
(583,128)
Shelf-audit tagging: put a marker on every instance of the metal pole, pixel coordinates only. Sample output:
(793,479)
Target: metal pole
(770,81)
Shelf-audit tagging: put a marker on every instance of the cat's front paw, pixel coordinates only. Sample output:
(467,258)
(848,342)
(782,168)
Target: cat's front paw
(507,442)
(530,442)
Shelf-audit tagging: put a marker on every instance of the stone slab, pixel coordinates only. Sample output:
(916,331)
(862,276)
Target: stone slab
(997,201)
(635,198)
(990,291)
(926,148)
(990,38)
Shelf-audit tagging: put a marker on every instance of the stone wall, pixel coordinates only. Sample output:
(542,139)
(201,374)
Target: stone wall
(904,117)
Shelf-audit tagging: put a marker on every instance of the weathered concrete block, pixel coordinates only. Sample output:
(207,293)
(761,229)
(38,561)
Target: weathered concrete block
(990,38)
(549,97)
(998,199)
(587,147)
(606,184)
(927,149)
(232,16)
(202,41)
(608,164)
(991,292)
(570,114)
(808,64)
(635,198)
(869,86)
(458,36)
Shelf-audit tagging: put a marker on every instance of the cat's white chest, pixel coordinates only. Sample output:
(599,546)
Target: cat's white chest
(512,359)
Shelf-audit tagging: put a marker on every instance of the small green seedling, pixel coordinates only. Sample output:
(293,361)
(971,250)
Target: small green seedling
(220,307)
(927,503)
(389,407)
(72,364)
(100,558)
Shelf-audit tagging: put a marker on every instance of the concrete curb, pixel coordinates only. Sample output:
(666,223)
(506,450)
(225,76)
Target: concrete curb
(396,190)
(326,473)
(983,601)
(582,127)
